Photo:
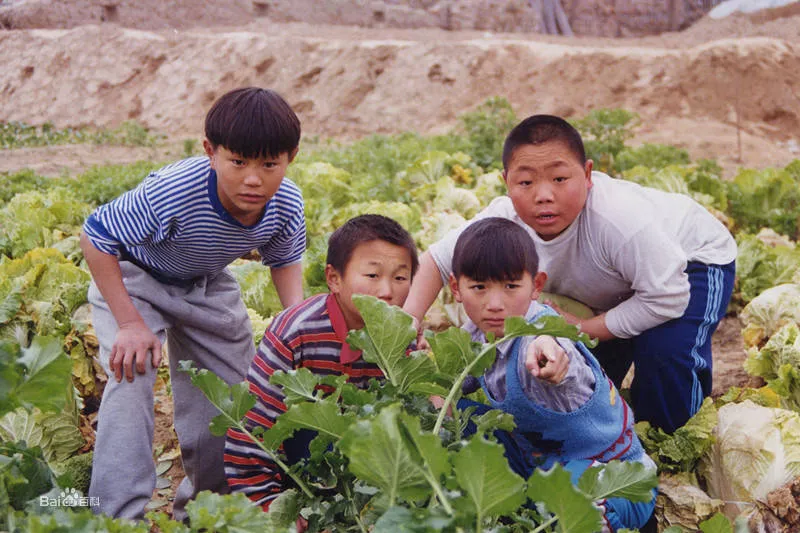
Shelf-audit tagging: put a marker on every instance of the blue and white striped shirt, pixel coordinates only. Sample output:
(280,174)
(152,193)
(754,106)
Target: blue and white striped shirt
(175,224)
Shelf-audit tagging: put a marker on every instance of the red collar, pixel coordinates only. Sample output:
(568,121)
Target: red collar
(347,355)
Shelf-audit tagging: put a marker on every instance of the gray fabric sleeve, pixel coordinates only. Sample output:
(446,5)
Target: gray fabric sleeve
(656,268)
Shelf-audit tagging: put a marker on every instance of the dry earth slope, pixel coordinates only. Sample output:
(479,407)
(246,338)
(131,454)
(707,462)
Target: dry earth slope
(344,86)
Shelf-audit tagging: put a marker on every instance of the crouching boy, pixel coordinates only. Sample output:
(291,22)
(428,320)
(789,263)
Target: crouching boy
(158,256)
(369,254)
(577,421)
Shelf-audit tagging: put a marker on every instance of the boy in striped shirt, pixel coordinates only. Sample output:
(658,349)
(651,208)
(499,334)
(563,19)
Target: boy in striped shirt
(369,254)
(157,255)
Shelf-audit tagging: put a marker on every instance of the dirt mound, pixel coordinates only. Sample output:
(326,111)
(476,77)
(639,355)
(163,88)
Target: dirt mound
(607,18)
(495,15)
(103,75)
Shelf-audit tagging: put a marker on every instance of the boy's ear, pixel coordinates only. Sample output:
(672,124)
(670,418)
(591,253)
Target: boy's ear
(454,287)
(293,154)
(208,147)
(588,170)
(538,284)
(333,279)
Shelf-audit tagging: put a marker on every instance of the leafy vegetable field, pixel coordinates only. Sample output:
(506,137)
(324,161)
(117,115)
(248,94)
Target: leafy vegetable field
(385,458)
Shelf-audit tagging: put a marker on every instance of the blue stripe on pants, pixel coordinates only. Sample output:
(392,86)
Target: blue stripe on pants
(673,360)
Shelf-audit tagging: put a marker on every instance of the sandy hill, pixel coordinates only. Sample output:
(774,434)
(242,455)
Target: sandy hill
(691,88)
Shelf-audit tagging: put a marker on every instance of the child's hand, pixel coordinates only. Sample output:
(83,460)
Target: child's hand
(438,402)
(133,345)
(422,342)
(546,360)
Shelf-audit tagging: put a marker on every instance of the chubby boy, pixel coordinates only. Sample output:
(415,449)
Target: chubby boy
(576,421)
(369,254)
(656,267)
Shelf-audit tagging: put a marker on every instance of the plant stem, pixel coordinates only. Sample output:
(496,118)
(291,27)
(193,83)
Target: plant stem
(274,456)
(349,496)
(457,387)
(544,525)
(440,495)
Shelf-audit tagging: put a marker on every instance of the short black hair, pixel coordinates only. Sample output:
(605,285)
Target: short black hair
(539,129)
(495,249)
(253,122)
(365,228)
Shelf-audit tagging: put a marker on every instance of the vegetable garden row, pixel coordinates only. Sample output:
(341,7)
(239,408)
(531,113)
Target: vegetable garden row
(730,468)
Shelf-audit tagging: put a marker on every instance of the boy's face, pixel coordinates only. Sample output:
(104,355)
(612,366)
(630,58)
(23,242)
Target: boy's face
(548,186)
(488,303)
(244,185)
(376,268)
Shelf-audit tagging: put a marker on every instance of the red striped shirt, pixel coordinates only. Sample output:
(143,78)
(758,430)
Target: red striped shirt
(302,336)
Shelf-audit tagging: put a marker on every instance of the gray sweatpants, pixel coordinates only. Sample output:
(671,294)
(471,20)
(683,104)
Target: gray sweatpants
(206,323)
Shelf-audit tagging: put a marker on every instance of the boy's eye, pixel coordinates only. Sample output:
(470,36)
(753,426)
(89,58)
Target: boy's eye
(270,164)
(477,287)
(371,275)
(401,278)
(560,179)
(237,162)
(512,285)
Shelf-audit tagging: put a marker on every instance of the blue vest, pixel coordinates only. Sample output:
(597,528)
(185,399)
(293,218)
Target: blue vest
(600,430)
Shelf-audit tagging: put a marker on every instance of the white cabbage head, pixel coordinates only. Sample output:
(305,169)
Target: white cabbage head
(757,450)
(769,311)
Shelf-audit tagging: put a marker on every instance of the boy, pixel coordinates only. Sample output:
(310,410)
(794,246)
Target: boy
(656,266)
(369,254)
(577,421)
(157,255)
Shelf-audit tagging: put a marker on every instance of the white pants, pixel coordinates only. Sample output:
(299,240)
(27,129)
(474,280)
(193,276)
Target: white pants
(206,323)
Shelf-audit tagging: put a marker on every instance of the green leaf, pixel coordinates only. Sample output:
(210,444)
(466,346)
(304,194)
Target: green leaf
(718,523)
(24,474)
(493,420)
(402,519)
(46,377)
(10,299)
(353,396)
(233,401)
(619,479)
(231,513)
(680,451)
(453,349)
(380,456)
(482,471)
(428,389)
(55,433)
(258,290)
(325,417)
(556,326)
(425,447)
(387,333)
(574,510)
(414,369)
(297,385)
(284,510)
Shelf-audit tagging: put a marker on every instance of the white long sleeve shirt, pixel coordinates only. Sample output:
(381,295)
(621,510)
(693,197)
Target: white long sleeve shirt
(625,253)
